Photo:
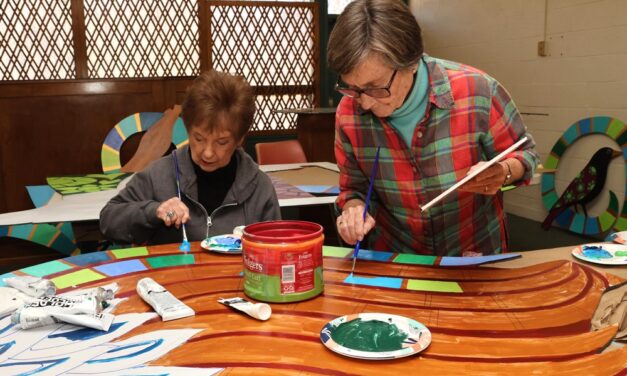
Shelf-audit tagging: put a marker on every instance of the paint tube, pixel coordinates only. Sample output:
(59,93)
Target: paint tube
(11,300)
(106,292)
(29,317)
(260,311)
(100,321)
(71,304)
(32,286)
(162,301)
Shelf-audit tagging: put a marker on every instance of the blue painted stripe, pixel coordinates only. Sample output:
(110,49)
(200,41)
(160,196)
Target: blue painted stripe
(88,258)
(114,140)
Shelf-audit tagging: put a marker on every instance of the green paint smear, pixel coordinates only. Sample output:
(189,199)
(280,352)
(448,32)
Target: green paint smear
(620,253)
(372,335)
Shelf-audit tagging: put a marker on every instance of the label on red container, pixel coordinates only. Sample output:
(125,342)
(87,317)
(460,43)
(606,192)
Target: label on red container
(293,269)
(297,271)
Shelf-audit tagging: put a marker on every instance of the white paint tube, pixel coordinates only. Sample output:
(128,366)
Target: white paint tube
(11,299)
(162,301)
(32,286)
(100,321)
(28,318)
(71,304)
(260,311)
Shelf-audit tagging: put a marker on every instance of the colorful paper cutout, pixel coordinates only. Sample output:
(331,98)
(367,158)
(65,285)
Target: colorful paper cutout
(47,268)
(393,283)
(76,278)
(477,260)
(406,258)
(171,260)
(69,185)
(331,251)
(88,258)
(433,286)
(121,267)
(130,252)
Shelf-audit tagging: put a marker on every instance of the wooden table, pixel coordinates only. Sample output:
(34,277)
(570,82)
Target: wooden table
(526,320)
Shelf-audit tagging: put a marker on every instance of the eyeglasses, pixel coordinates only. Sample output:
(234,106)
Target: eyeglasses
(374,92)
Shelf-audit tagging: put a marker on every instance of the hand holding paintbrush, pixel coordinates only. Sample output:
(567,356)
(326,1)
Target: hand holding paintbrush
(346,222)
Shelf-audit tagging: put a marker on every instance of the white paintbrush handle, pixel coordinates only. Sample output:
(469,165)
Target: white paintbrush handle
(474,173)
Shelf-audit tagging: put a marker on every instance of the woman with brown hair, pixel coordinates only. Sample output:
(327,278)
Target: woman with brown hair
(221,186)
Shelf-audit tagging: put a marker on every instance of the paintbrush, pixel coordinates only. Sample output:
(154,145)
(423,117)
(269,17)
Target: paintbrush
(374,171)
(185,246)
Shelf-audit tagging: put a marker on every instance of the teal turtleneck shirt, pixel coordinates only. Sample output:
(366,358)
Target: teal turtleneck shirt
(406,118)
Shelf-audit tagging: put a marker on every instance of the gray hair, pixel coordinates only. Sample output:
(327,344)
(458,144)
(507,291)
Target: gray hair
(386,27)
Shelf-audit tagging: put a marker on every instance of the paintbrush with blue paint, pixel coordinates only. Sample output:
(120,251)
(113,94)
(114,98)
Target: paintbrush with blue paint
(185,246)
(374,171)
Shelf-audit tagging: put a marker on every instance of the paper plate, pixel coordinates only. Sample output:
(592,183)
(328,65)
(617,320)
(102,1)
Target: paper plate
(602,253)
(617,237)
(375,336)
(230,243)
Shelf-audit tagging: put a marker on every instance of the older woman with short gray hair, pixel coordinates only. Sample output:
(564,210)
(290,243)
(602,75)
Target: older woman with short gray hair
(434,120)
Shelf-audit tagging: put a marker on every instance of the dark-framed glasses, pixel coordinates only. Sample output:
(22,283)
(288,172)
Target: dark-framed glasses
(374,92)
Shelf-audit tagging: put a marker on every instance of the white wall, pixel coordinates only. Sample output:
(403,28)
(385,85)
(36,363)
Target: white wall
(584,74)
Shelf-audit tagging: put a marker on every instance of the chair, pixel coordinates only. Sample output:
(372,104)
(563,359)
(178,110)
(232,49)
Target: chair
(280,152)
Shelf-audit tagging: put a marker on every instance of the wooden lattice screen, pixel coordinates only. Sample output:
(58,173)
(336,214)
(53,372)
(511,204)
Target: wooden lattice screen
(275,45)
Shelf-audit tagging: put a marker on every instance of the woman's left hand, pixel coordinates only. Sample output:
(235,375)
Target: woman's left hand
(487,182)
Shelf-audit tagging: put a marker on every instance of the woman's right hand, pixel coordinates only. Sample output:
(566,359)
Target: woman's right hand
(173,212)
(351,225)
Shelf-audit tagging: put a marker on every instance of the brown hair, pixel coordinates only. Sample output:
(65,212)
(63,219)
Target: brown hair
(214,96)
(386,27)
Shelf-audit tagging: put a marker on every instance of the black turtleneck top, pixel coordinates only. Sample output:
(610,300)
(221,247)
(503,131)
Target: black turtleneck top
(213,186)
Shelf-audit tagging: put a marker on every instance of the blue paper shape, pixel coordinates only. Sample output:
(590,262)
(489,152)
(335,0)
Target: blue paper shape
(478,260)
(393,283)
(365,254)
(88,258)
(121,267)
(40,194)
(318,189)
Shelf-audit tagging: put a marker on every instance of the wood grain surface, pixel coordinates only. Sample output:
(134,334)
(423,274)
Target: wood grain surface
(529,320)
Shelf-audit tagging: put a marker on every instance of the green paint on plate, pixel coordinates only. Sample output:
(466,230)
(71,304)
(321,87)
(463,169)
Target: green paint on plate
(371,335)
(620,253)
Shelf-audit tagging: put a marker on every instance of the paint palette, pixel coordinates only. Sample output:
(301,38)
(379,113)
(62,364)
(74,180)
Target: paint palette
(375,336)
(602,253)
(617,237)
(230,243)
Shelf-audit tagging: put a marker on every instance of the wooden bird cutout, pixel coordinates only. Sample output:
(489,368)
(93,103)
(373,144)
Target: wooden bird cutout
(585,187)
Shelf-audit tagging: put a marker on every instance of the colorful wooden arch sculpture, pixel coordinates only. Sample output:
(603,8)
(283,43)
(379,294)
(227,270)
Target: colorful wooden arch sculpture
(138,122)
(59,237)
(569,219)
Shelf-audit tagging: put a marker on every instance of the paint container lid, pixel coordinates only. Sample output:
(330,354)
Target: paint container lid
(282,231)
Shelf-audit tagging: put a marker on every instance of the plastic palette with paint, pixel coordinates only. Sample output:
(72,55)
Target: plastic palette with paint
(230,244)
(617,237)
(602,253)
(375,336)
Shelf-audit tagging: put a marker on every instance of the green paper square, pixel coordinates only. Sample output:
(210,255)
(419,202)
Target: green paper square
(414,259)
(46,268)
(436,286)
(172,260)
(76,278)
(130,252)
(330,251)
